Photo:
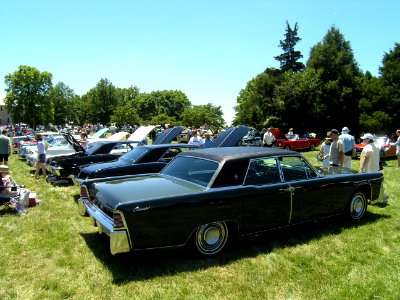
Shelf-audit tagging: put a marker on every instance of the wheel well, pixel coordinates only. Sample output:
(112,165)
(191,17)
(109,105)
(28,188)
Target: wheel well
(365,189)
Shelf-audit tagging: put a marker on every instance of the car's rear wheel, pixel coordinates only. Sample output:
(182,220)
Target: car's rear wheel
(211,238)
(287,147)
(312,147)
(357,207)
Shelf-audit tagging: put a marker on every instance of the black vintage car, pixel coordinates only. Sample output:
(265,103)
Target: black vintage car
(63,167)
(151,158)
(205,197)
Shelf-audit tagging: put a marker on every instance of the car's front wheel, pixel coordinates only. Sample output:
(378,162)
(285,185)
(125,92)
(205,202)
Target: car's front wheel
(312,147)
(287,147)
(357,207)
(211,238)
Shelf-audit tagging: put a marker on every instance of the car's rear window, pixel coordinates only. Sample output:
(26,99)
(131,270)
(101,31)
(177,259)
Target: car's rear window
(196,170)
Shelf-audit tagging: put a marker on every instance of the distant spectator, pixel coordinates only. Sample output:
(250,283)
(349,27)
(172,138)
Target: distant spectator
(41,160)
(84,141)
(336,154)
(268,138)
(207,140)
(397,143)
(324,152)
(5,147)
(348,145)
(195,139)
(290,134)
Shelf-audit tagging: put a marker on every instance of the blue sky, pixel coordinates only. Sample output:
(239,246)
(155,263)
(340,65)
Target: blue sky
(207,49)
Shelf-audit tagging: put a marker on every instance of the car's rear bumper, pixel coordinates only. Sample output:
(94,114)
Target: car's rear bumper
(119,239)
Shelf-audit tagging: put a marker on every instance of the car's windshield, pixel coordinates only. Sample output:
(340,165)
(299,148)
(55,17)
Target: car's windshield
(196,170)
(135,154)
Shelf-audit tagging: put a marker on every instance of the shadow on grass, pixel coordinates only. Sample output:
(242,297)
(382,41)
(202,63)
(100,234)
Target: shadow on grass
(144,265)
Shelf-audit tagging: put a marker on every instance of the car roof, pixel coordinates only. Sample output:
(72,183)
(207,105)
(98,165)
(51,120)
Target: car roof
(230,153)
(157,146)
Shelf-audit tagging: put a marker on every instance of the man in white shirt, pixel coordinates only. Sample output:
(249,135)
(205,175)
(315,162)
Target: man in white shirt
(268,138)
(195,139)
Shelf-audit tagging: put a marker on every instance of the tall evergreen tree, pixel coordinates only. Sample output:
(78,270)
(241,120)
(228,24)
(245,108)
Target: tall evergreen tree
(289,59)
(339,95)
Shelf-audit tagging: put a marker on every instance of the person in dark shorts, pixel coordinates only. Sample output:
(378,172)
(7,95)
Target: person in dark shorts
(40,164)
(5,147)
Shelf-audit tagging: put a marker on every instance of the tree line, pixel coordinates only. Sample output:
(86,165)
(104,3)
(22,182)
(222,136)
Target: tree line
(329,91)
(32,98)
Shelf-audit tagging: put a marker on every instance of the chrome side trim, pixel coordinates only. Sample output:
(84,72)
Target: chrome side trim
(119,240)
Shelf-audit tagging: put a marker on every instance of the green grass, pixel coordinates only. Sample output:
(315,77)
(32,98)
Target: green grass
(53,253)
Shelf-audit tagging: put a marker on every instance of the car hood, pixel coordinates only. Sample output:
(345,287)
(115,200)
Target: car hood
(278,134)
(100,133)
(140,133)
(230,137)
(141,188)
(107,165)
(168,135)
(73,142)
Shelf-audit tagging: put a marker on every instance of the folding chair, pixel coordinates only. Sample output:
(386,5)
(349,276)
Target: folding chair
(7,199)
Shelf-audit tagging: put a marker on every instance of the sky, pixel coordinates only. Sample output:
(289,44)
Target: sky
(208,49)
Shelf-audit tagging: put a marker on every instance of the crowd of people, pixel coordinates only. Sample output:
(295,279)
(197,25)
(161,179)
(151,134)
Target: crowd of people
(337,150)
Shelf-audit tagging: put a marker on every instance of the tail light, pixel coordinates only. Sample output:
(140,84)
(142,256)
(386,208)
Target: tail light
(84,191)
(118,221)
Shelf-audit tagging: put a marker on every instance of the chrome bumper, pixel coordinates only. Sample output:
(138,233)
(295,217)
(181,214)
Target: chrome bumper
(119,240)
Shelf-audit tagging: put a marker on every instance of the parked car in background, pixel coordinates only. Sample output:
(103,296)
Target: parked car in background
(16,140)
(47,136)
(206,197)
(383,143)
(252,138)
(62,167)
(297,143)
(57,145)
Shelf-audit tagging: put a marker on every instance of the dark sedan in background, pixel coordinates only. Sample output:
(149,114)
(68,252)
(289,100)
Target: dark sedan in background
(205,197)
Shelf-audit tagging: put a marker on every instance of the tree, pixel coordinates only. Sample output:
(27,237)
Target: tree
(101,101)
(390,76)
(163,119)
(200,114)
(257,106)
(61,96)
(27,97)
(299,95)
(333,61)
(289,58)
(170,103)
(125,115)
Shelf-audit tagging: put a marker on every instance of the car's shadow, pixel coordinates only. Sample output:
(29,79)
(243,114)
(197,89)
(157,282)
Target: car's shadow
(144,265)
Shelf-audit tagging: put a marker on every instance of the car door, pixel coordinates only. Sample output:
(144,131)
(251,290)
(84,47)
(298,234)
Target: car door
(266,200)
(313,196)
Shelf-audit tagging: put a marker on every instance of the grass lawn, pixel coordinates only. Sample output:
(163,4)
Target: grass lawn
(53,253)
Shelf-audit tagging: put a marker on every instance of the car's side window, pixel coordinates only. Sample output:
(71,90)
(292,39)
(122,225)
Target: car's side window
(120,148)
(262,171)
(294,168)
(170,154)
